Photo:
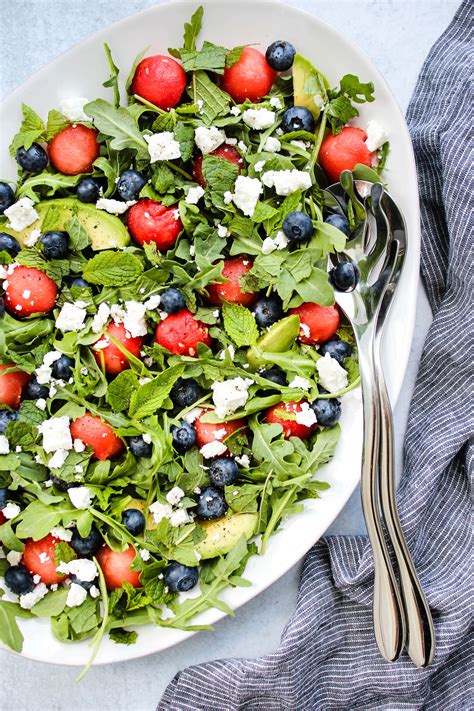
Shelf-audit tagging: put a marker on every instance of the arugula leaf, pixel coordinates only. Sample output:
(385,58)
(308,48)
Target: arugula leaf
(112,81)
(52,181)
(119,125)
(352,87)
(215,102)
(37,520)
(32,128)
(135,64)
(339,111)
(9,631)
(56,123)
(150,397)
(52,604)
(122,636)
(239,324)
(113,268)
(211,57)
(234,55)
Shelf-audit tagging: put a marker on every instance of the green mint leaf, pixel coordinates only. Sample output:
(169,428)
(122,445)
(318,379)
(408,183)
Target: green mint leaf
(56,123)
(215,102)
(165,121)
(9,631)
(234,55)
(339,111)
(220,175)
(63,553)
(162,179)
(354,89)
(56,269)
(28,411)
(192,29)
(21,434)
(264,211)
(239,324)
(184,134)
(121,389)
(79,239)
(135,64)
(150,397)
(32,128)
(112,81)
(121,636)
(119,125)
(113,268)
(211,57)
(208,246)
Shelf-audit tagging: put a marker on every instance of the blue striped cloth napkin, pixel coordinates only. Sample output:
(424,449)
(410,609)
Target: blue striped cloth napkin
(328,659)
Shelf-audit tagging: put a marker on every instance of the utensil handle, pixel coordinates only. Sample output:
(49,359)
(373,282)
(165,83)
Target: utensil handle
(420,641)
(388,614)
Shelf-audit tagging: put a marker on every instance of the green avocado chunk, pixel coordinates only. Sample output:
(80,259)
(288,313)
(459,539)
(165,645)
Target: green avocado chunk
(279,337)
(105,231)
(224,533)
(309,85)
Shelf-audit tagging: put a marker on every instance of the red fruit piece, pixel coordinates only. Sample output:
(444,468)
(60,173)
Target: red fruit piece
(114,360)
(318,323)
(227,152)
(160,80)
(2,518)
(230,290)
(97,434)
(116,567)
(74,149)
(149,221)
(249,78)
(11,385)
(343,152)
(209,432)
(29,291)
(284,414)
(38,558)
(180,333)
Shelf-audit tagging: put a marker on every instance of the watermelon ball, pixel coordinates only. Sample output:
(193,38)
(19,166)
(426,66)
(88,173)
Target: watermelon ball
(251,77)
(207,432)
(115,566)
(113,358)
(180,333)
(160,80)
(230,290)
(29,291)
(318,324)
(11,385)
(74,149)
(97,434)
(227,152)
(38,558)
(296,418)
(149,221)
(343,152)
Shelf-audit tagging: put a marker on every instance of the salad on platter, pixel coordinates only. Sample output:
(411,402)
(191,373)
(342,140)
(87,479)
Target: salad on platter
(171,357)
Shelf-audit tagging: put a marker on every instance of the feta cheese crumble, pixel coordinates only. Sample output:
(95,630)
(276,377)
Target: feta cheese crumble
(62,533)
(30,599)
(376,136)
(301,383)
(235,111)
(230,395)
(145,554)
(243,460)
(11,510)
(272,145)
(58,459)
(275,102)
(246,193)
(76,595)
(179,517)
(4,445)
(163,146)
(71,317)
(73,108)
(160,511)
(33,237)
(269,245)
(306,415)
(13,557)
(56,434)
(134,319)
(21,214)
(259,119)
(100,318)
(175,495)
(258,166)
(286,182)
(81,497)
(41,403)
(213,449)
(194,195)
(208,139)
(83,568)
(332,376)
(114,207)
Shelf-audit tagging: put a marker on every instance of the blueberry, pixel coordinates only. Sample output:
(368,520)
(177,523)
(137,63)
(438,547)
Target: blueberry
(344,276)
(4,494)
(86,546)
(7,197)
(172,301)
(9,244)
(34,391)
(5,417)
(327,412)
(140,448)
(129,185)
(134,521)
(280,55)
(297,118)
(19,580)
(339,222)
(267,310)
(86,584)
(224,471)
(211,503)
(184,437)
(55,244)
(62,368)
(2,305)
(180,578)
(275,375)
(185,392)
(337,350)
(88,190)
(33,160)
(62,484)
(80,283)
(298,227)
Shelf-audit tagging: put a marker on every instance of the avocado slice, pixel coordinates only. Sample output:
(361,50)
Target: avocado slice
(309,85)
(224,533)
(279,337)
(105,231)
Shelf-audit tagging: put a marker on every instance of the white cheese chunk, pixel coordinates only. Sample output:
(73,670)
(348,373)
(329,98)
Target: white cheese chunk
(30,599)
(332,376)
(56,434)
(194,195)
(76,595)
(58,459)
(4,445)
(301,383)
(21,214)
(73,108)
(163,146)
(80,496)
(275,102)
(376,136)
(179,517)
(134,319)
(306,415)
(246,193)
(101,318)
(11,510)
(208,139)
(213,449)
(230,395)
(175,495)
(71,317)
(160,511)
(259,119)
(114,207)
(272,145)
(286,182)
